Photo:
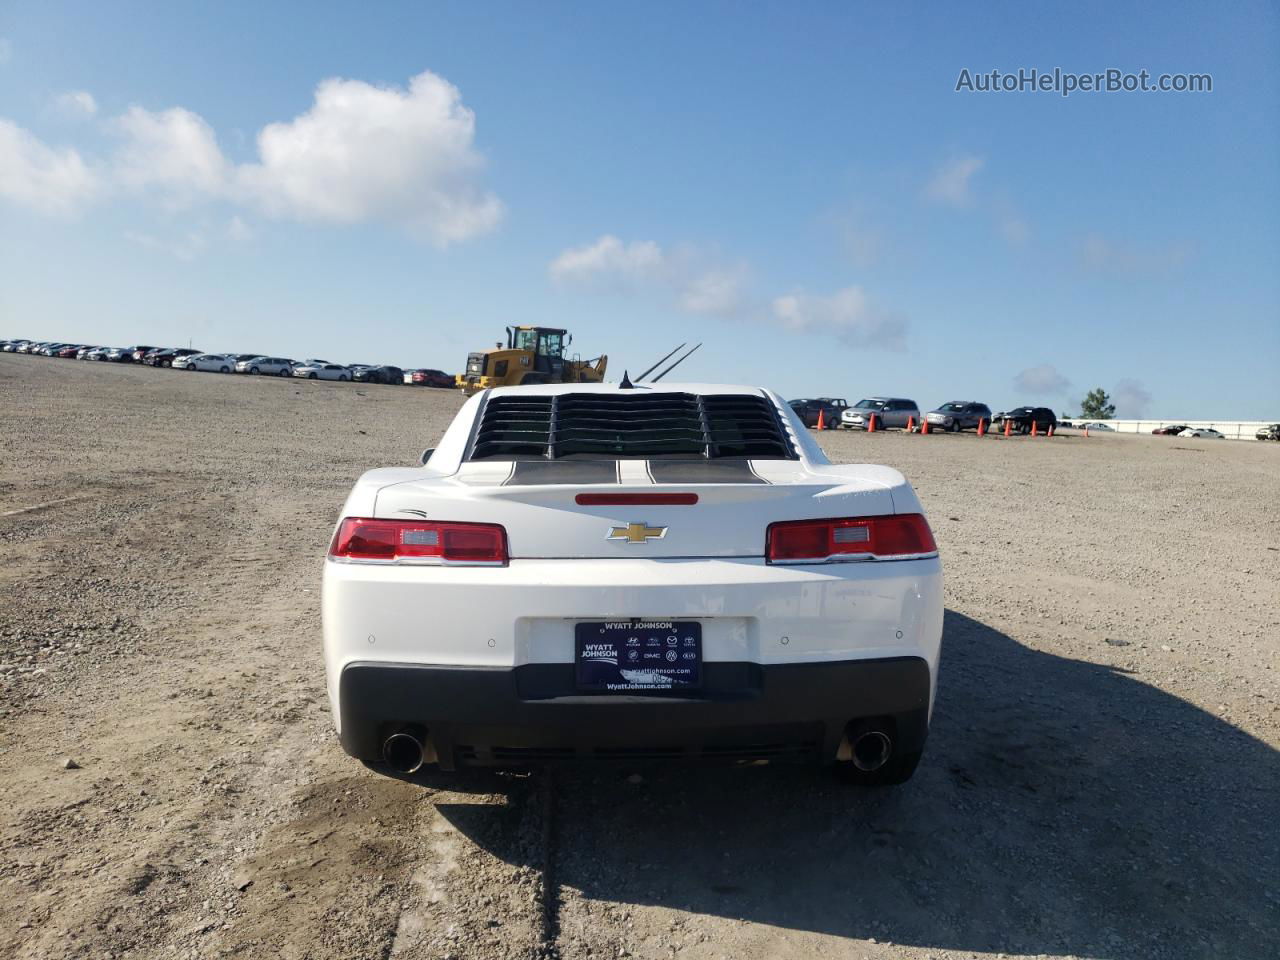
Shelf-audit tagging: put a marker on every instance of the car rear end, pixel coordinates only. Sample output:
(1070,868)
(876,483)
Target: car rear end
(592,573)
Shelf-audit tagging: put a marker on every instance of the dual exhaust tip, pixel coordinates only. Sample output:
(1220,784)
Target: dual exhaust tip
(408,750)
(868,746)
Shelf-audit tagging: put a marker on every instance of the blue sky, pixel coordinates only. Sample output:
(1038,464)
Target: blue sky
(798,185)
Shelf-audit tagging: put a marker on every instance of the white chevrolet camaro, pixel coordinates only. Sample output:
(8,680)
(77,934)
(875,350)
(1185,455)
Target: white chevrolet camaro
(651,572)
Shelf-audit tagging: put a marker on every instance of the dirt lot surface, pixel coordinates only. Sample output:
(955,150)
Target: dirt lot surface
(1101,779)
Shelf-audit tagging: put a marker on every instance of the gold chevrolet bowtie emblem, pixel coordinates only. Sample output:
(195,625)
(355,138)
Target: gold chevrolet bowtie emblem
(637,533)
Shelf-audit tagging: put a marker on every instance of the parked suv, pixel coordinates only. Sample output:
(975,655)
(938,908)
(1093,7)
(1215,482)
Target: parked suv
(958,415)
(1021,419)
(384,374)
(1269,432)
(808,411)
(889,411)
(272,366)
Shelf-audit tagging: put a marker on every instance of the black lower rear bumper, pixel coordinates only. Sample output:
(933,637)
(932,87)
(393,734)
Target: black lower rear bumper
(744,711)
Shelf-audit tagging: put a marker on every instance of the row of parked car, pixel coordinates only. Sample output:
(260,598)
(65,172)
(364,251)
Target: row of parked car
(957,415)
(253,364)
(899,413)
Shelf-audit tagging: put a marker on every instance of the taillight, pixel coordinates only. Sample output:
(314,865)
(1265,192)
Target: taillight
(419,541)
(853,538)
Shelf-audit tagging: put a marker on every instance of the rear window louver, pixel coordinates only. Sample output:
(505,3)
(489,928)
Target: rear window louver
(630,426)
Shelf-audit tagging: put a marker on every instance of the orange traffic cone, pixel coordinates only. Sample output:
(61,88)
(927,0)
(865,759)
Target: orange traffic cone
(982,427)
(1008,427)
(1086,430)
(871,424)
(924,426)
(1033,427)
(822,421)
(911,424)
(1050,433)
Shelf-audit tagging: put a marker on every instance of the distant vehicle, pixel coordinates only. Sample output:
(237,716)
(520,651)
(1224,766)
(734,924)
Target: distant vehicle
(164,356)
(120,354)
(958,415)
(97,353)
(238,358)
(83,352)
(140,352)
(207,362)
(322,371)
(1269,432)
(1097,425)
(69,353)
(889,411)
(14,346)
(384,374)
(808,410)
(431,378)
(51,349)
(1172,430)
(271,366)
(1021,419)
(1208,432)
(30,346)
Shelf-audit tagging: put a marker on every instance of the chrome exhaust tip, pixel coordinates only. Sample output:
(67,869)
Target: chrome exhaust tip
(404,751)
(871,750)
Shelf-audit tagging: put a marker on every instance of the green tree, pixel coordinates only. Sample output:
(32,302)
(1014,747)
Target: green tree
(1097,405)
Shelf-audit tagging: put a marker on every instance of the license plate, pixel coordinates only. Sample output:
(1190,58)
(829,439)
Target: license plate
(627,655)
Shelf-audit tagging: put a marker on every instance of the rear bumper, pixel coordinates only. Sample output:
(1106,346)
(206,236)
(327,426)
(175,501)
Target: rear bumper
(532,713)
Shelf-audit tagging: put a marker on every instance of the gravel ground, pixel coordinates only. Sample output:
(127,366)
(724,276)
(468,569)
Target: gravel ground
(1101,779)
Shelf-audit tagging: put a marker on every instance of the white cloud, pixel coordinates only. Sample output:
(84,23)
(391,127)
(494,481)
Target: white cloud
(847,314)
(376,153)
(77,102)
(40,177)
(609,261)
(1102,254)
(238,230)
(951,184)
(186,247)
(1131,398)
(689,277)
(173,150)
(1042,379)
(698,283)
(360,153)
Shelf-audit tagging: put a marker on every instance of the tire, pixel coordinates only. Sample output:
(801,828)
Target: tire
(166,363)
(955,426)
(254,371)
(223,370)
(343,378)
(190,367)
(312,376)
(898,770)
(286,372)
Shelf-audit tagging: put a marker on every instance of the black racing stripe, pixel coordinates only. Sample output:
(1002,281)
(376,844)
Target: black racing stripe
(703,471)
(568,472)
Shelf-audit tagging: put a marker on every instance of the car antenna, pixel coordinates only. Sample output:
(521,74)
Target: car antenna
(626,383)
(674,365)
(660,363)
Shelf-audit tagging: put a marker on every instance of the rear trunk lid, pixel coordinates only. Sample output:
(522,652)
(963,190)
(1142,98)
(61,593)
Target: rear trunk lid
(736,502)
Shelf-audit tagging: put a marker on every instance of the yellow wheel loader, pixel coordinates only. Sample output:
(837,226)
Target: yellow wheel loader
(532,355)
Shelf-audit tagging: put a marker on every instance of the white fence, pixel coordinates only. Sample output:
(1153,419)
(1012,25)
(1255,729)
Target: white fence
(1231,429)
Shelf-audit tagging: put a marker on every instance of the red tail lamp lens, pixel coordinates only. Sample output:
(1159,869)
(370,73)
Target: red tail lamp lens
(636,499)
(360,538)
(897,535)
